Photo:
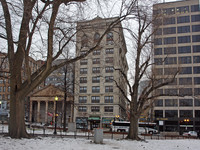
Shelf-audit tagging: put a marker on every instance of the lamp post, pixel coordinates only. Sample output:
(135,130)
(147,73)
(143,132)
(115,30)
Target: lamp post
(56,115)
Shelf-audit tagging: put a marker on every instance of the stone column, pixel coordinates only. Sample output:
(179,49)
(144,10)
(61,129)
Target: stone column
(46,112)
(31,111)
(38,112)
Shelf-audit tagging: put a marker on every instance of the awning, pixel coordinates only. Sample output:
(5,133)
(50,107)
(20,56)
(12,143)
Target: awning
(107,119)
(94,118)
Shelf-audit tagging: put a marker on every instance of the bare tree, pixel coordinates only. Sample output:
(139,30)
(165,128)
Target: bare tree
(141,35)
(42,21)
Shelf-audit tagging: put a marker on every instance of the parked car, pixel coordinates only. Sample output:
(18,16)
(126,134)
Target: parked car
(190,133)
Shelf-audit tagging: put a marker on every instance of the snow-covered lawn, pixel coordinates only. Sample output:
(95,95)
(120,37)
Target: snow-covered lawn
(57,143)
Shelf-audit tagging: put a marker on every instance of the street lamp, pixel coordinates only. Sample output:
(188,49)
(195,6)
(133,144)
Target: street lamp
(56,115)
(186,121)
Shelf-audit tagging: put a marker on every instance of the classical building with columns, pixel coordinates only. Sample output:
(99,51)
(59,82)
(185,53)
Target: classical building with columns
(43,105)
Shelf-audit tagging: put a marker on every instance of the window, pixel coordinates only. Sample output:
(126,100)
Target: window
(185,92)
(196,91)
(97,52)
(96,61)
(108,99)
(183,29)
(185,102)
(109,89)
(0,88)
(157,12)
(82,99)
(197,102)
(95,89)
(95,108)
(195,8)
(186,113)
(158,71)
(9,89)
(184,49)
(196,80)
(82,108)
(158,113)
(170,71)
(171,113)
(196,38)
(195,18)
(171,102)
(196,48)
(197,113)
(109,69)
(170,50)
(185,81)
(96,70)
(157,22)
(109,78)
(83,62)
(158,41)
(185,70)
(183,19)
(95,79)
(170,60)
(95,99)
(184,39)
(195,28)
(83,70)
(83,79)
(84,41)
(108,109)
(158,31)
(171,30)
(196,70)
(158,61)
(169,11)
(159,103)
(83,89)
(110,51)
(170,40)
(8,97)
(159,91)
(158,51)
(109,59)
(167,21)
(196,59)
(83,52)
(184,60)
(171,92)
(109,38)
(96,37)
(183,9)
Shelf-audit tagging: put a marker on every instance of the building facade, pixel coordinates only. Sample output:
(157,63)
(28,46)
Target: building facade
(98,101)
(177,48)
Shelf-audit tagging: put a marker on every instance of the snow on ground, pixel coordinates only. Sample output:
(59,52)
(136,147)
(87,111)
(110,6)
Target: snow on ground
(69,143)
(57,143)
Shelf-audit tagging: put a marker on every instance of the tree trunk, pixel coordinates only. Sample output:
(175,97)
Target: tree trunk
(65,100)
(133,129)
(17,127)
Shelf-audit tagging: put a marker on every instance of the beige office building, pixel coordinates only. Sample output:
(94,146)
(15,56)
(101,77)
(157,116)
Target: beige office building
(98,101)
(177,47)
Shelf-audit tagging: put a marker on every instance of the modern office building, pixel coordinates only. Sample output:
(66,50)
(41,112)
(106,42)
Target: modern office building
(177,47)
(98,101)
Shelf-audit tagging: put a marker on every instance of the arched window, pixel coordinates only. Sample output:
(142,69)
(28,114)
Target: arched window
(109,38)
(84,41)
(96,37)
